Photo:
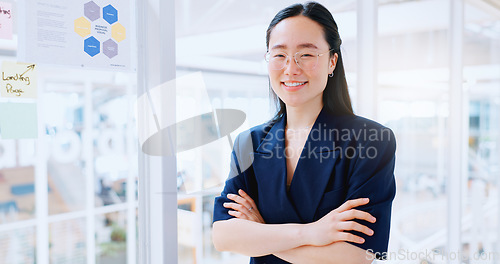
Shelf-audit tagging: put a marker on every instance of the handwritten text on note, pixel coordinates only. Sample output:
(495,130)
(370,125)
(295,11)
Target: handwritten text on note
(5,20)
(18,80)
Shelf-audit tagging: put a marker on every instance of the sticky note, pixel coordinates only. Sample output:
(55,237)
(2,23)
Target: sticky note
(5,20)
(18,80)
(18,120)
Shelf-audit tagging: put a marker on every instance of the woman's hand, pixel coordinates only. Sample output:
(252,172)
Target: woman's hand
(244,207)
(330,228)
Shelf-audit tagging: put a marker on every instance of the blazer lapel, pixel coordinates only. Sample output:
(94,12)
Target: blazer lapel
(314,167)
(270,172)
(311,176)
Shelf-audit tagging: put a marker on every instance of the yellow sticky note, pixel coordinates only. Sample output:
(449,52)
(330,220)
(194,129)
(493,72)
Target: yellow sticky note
(18,80)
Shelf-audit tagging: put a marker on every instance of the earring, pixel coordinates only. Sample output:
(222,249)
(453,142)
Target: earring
(331,74)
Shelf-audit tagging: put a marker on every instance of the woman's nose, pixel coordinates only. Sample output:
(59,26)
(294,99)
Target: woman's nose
(292,67)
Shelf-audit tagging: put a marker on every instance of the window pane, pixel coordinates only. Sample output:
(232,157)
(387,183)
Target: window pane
(111,238)
(412,101)
(17,246)
(482,78)
(67,242)
(17,184)
(112,161)
(64,123)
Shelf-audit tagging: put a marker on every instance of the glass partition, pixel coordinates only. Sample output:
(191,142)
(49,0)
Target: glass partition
(412,99)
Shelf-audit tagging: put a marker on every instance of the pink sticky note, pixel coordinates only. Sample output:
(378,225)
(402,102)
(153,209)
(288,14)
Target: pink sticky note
(5,20)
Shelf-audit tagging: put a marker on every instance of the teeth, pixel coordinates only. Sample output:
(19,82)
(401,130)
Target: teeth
(294,83)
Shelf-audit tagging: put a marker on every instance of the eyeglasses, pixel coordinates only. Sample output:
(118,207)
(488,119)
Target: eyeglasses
(306,60)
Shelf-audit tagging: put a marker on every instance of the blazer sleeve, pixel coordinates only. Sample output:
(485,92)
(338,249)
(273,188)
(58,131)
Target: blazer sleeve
(373,177)
(240,176)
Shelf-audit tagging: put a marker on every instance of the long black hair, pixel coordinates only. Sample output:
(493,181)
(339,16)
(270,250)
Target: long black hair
(335,96)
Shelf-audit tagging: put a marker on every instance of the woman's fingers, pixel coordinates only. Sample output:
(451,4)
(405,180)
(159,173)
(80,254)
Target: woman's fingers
(244,204)
(343,236)
(335,226)
(240,200)
(236,207)
(357,214)
(238,214)
(351,204)
(240,209)
(351,225)
(247,197)
(254,211)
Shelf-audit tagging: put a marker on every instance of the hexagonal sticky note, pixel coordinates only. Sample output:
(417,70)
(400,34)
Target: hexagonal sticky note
(118,32)
(92,11)
(110,14)
(110,48)
(82,26)
(92,46)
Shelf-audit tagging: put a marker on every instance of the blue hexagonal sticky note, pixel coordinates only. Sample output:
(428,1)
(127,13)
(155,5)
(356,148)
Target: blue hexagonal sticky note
(92,11)
(92,46)
(110,14)
(110,48)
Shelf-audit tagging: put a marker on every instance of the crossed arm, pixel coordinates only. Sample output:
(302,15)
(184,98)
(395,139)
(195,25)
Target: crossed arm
(323,241)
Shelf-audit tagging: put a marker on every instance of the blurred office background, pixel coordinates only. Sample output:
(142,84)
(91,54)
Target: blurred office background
(399,59)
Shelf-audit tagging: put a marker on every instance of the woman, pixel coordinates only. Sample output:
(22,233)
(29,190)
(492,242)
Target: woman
(320,185)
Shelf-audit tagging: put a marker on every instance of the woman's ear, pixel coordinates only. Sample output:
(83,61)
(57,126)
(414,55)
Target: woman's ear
(333,62)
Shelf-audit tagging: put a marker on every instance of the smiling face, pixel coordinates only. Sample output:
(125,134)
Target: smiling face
(295,86)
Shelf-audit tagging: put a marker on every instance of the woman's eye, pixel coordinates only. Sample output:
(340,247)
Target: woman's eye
(279,56)
(306,55)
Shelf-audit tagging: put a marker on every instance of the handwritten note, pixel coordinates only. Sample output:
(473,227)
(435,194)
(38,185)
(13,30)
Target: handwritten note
(18,80)
(5,20)
(18,120)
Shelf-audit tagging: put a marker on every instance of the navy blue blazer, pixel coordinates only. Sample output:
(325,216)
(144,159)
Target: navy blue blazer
(344,158)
